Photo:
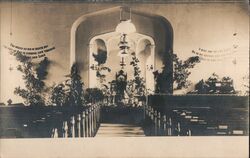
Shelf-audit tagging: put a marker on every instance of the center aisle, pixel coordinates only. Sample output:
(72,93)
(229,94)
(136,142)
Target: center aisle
(119,130)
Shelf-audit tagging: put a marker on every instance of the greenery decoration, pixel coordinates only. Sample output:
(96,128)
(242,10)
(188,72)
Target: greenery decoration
(75,84)
(34,75)
(215,85)
(182,71)
(93,95)
(101,70)
(139,82)
(59,96)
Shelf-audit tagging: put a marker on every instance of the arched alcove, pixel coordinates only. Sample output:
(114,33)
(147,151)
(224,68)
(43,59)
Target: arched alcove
(97,47)
(90,25)
(146,54)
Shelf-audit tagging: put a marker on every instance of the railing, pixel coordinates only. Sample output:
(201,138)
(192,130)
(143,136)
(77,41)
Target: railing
(83,124)
(159,125)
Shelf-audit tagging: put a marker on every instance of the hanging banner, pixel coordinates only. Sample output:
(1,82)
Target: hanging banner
(215,55)
(33,52)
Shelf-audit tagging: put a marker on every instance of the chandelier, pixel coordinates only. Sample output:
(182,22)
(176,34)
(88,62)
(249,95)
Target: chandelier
(124,28)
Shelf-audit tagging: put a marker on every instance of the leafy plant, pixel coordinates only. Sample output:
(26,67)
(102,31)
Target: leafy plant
(42,68)
(215,85)
(100,57)
(93,95)
(75,84)
(59,95)
(159,79)
(139,82)
(34,75)
(100,68)
(182,71)
(70,92)
(213,78)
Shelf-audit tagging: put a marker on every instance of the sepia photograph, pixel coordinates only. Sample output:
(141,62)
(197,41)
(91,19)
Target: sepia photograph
(131,70)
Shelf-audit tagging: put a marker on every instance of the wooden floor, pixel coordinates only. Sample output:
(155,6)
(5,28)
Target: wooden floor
(119,130)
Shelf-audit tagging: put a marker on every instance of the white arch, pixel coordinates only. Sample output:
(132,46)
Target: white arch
(76,25)
(81,20)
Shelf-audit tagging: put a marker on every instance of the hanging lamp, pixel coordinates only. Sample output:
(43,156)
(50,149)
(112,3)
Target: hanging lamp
(125,26)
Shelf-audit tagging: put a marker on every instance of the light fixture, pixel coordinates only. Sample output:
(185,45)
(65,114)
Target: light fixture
(123,42)
(123,45)
(122,63)
(125,27)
